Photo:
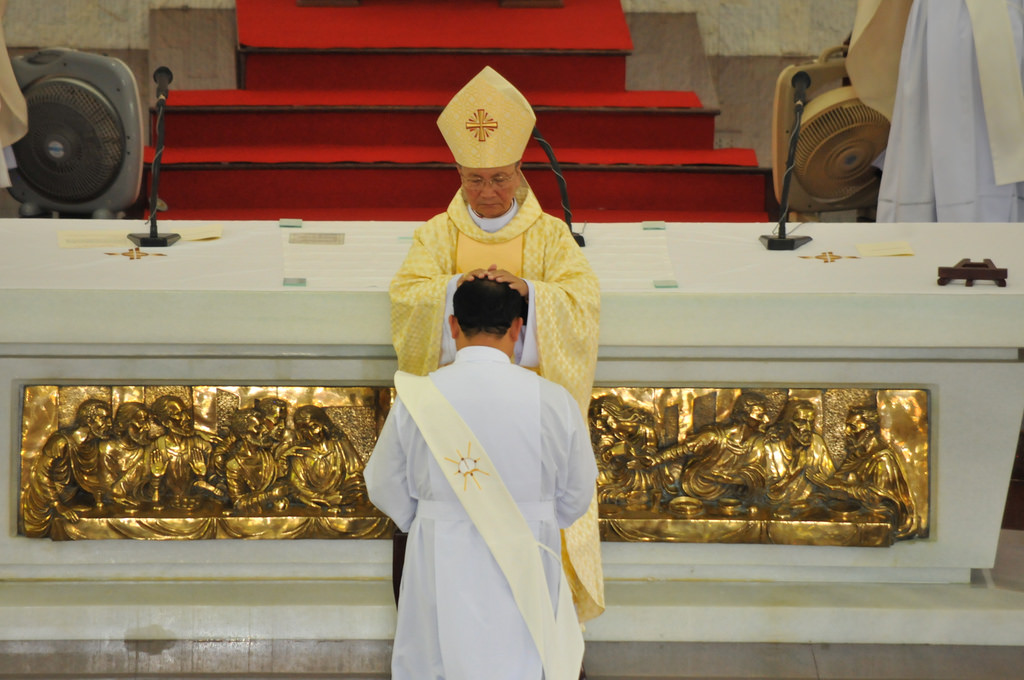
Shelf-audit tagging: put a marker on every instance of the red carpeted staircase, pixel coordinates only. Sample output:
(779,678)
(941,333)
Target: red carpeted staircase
(336,115)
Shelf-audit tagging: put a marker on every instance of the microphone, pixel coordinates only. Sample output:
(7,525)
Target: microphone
(800,82)
(162,77)
(779,240)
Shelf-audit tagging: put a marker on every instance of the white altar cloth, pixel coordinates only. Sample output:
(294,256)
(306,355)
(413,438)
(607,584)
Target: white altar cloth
(702,258)
(721,271)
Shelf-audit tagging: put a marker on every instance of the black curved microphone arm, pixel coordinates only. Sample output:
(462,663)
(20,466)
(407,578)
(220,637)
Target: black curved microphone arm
(154,239)
(561,185)
(780,241)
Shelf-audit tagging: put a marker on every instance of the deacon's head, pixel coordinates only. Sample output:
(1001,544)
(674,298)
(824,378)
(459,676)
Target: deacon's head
(487,125)
(487,313)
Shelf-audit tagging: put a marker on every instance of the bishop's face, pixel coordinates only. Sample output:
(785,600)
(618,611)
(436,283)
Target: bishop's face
(489,191)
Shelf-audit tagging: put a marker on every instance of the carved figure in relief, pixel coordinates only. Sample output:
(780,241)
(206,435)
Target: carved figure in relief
(719,459)
(795,457)
(85,458)
(624,435)
(255,478)
(281,454)
(324,468)
(126,472)
(51,484)
(274,412)
(872,473)
(179,458)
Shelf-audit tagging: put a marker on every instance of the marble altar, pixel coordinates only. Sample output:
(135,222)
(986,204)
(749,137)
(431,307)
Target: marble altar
(682,304)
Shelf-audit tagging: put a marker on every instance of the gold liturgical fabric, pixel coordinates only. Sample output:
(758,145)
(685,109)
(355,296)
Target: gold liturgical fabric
(567,303)
(508,255)
(488,123)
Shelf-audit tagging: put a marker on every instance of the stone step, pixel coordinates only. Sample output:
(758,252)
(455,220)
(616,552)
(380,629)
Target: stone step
(345,660)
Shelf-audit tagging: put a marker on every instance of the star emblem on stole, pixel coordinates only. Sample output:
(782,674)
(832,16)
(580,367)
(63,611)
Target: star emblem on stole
(466,466)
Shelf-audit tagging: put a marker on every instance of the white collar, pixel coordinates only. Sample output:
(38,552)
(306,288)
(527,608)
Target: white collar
(493,224)
(481,353)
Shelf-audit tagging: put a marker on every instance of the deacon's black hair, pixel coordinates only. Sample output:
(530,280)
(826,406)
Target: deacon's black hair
(485,306)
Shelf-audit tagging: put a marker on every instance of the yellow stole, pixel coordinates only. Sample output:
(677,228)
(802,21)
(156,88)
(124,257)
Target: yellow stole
(471,254)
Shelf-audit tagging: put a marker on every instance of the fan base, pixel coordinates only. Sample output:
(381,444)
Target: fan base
(783,243)
(148,240)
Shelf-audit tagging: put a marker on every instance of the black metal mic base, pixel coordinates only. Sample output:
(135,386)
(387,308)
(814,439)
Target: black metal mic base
(149,240)
(783,242)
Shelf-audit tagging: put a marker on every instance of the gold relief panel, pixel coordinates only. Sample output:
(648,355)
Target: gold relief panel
(799,466)
(830,466)
(188,462)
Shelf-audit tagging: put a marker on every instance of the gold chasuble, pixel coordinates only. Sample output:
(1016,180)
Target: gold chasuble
(566,302)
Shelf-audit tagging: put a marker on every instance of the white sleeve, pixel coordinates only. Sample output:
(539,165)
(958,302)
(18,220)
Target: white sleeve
(577,467)
(386,474)
(447,341)
(526,346)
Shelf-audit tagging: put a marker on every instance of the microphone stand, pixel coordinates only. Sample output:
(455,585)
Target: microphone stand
(562,187)
(779,240)
(154,239)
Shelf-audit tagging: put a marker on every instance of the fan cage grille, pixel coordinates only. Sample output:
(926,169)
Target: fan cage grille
(836,149)
(75,144)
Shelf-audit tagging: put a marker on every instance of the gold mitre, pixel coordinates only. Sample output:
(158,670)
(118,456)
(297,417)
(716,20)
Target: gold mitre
(488,123)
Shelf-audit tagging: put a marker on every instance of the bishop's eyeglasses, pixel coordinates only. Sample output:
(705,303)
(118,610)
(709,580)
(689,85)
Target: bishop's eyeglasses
(477,183)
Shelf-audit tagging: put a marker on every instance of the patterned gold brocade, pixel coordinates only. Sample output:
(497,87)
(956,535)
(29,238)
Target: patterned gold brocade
(567,303)
(488,123)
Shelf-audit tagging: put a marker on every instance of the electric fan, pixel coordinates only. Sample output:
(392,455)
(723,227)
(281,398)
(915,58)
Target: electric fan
(82,154)
(839,137)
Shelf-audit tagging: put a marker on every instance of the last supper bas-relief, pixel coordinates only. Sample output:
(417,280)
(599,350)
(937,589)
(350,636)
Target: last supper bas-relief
(826,466)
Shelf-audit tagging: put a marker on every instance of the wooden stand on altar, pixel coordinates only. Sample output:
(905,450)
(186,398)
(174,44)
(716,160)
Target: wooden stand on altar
(985,270)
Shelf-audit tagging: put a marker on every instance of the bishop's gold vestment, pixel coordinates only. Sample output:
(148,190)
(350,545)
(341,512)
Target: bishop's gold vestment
(566,301)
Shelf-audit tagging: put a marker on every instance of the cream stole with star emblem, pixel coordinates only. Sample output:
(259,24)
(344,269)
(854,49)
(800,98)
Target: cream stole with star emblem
(496,516)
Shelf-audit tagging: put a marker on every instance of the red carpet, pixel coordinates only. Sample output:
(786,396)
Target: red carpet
(444,24)
(627,120)
(440,154)
(541,100)
(448,71)
(338,111)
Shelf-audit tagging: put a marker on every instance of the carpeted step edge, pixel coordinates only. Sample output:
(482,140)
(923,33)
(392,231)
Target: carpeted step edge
(420,155)
(271,100)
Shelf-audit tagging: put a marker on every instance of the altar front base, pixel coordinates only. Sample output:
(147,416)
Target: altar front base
(988,610)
